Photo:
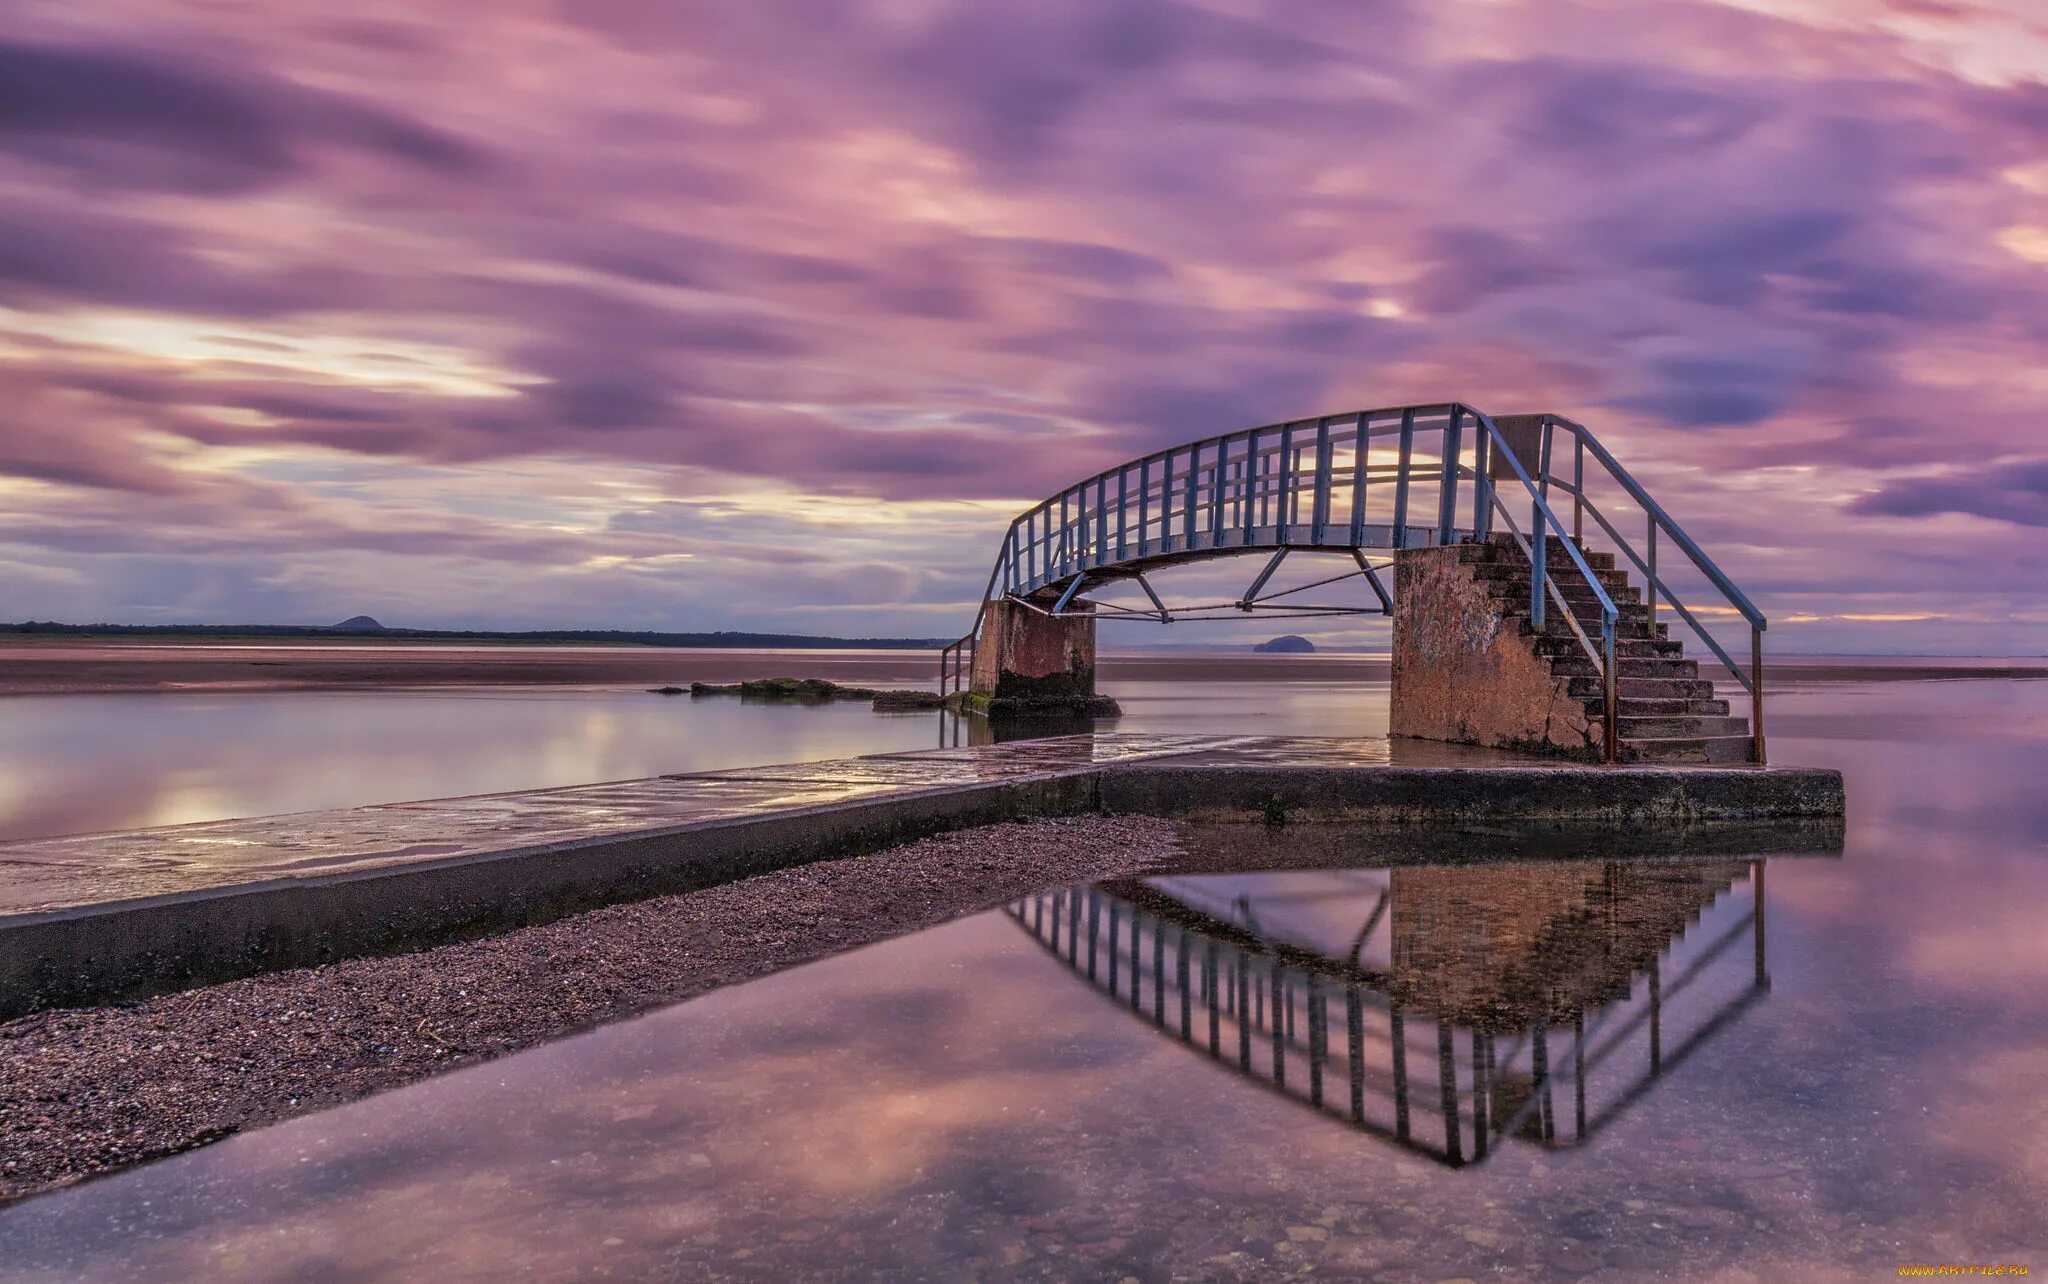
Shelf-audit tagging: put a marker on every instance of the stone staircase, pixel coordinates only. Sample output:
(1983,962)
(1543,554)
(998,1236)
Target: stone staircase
(1667,712)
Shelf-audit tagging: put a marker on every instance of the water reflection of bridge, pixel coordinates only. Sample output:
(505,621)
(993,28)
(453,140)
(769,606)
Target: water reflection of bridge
(1441,1008)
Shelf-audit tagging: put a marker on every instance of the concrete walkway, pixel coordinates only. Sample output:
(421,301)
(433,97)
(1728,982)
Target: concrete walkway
(88,918)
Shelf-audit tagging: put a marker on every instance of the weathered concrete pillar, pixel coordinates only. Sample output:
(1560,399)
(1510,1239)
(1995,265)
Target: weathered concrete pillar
(1028,663)
(1465,673)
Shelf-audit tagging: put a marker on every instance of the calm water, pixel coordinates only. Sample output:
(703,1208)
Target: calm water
(80,763)
(1856,1083)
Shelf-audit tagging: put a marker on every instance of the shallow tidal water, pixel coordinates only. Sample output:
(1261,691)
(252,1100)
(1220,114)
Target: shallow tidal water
(1857,1082)
(74,764)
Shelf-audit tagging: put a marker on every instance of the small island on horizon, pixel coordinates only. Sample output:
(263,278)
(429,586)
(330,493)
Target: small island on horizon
(1287,644)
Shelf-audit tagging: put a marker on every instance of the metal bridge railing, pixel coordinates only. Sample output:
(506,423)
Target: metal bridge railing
(1390,478)
(1658,523)
(1419,1079)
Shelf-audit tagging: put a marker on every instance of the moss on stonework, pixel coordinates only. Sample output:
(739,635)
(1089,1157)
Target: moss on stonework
(1074,684)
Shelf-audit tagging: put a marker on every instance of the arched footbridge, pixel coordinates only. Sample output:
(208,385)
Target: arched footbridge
(1532,578)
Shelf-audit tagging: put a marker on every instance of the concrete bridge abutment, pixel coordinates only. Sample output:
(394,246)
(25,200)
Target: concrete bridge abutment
(1029,662)
(1465,672)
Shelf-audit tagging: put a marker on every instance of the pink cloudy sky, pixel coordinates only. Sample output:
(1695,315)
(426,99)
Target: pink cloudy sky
(769,314)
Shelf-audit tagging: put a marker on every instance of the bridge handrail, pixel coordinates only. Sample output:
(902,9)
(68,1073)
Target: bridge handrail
(1736,598)
(1751,681)
(1248,488)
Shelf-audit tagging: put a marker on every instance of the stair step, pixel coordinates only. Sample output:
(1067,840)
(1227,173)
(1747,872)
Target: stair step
(1641,707)
(1641,727)
(1689,749)
(1562,643)
(1503,545)
(1630,688)
(1577,595)
(1624,627)
(1565,576)
(1632,666)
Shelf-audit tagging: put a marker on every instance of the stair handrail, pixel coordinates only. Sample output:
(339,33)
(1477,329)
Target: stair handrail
(950,654)
(1751,681)
(1536,547)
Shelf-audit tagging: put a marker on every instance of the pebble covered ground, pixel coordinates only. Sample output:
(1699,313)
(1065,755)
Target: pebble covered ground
(92,1090)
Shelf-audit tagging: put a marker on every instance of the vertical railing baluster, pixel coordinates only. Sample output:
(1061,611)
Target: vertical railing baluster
(1482,479)
(1252,486)
(1094,928)
(1756,691)
(1360,448)
(1401,467)
(1214,1000)
(1447,492)
(1354,1050)
(1073,927)
(1756,908)
(1241,971)
(1123,481)
(1065,539)
(1318,1043)
(1115,935)
(1611,686)
(1579,488)
(1216,475)
(1650,584)
(1447,1088)
(1031,548)
(1158,972)
(1280,1007)
(1145,506)
(1399,1034)
(1539,1072)
(1166,493)
(1137,972)
(1187,997)
(1101,557)
(1319,507)
(1285,500)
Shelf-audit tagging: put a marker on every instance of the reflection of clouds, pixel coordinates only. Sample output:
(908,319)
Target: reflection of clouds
(954,1103)
(2001,1116)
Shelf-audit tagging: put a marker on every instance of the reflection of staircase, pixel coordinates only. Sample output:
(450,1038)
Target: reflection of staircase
(1666,711)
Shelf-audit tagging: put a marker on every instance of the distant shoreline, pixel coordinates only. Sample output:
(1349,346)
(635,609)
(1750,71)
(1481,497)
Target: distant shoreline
(33,632)
(99,666)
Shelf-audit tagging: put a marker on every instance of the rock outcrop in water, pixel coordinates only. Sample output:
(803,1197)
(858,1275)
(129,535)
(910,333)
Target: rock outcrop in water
(1289,644)
(358,624)
(810,691)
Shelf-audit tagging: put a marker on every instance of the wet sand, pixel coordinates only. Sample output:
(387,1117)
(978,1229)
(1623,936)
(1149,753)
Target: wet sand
(89,1091)
(68,667)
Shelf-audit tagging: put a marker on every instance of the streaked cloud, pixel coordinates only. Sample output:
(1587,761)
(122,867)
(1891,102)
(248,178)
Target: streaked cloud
(580,314)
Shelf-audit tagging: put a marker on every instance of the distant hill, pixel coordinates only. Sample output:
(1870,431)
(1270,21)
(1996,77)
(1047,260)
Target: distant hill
(1290,643)
(363,625)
